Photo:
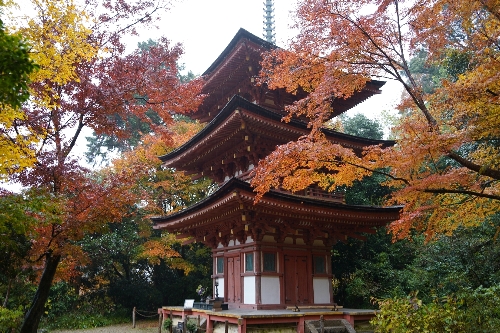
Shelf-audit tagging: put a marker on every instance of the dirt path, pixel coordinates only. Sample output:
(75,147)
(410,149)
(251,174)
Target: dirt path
(141,327)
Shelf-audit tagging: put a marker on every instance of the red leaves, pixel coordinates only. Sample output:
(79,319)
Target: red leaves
(445,165)
(296,165)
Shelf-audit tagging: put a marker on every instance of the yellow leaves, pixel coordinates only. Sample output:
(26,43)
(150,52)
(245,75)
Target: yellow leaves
(445,167)
(15,151)
(60,39)
(157,249)
(297,165)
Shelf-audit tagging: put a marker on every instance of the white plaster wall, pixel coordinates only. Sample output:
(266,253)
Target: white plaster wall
(249,289)
(249,239)
(321,287)
(300,241)
(270,293)
(220,327)
(318,242)
(268,238)
(220,289)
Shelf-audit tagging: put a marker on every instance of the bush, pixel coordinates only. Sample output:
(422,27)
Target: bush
(191,326)
(81,320)
(467,311)
(481,308)
(10,319)
(167,323)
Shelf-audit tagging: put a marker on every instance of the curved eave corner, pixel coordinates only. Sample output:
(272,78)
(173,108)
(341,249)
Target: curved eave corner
(241,34)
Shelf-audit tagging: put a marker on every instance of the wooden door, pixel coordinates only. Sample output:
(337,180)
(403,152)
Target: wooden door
(233,280)
(296,280)
(302,280)
(230,280)
(289,278)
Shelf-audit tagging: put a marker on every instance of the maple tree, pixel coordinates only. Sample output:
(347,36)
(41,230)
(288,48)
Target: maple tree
(85,77)
(445,164)
(133,257)
(15,68)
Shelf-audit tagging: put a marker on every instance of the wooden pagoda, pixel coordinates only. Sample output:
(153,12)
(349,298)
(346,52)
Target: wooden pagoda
(275,253)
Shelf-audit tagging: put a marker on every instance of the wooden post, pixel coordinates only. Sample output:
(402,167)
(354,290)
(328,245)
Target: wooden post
(185,324)
(159,321)
(172,321)
(198,324)
(321,324)
(210,325)
(226,326)
(258,276)
(133,317)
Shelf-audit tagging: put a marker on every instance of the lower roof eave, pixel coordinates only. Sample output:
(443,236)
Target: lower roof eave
(234,201)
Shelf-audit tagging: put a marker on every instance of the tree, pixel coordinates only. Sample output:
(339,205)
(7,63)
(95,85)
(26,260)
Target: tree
(18,218)
(445,164)
(134,257)
(15,69)
(100,146)
(85,77)
(360,125)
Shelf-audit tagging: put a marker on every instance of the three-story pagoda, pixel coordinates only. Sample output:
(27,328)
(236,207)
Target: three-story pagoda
(275,253)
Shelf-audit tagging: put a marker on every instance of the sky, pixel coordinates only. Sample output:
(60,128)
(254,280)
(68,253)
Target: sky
(205,28)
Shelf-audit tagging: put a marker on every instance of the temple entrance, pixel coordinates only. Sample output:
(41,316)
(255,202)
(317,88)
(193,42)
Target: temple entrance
(233,279)
(296,282)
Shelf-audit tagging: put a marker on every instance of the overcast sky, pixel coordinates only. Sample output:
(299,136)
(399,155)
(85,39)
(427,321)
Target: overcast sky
(206,27)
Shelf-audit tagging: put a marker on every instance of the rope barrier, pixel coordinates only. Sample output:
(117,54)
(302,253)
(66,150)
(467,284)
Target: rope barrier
(145,315)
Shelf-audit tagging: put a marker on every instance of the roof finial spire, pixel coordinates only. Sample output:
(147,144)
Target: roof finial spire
(269,33)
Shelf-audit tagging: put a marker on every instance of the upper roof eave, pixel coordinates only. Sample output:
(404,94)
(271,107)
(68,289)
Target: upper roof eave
(241,34)
(238,101)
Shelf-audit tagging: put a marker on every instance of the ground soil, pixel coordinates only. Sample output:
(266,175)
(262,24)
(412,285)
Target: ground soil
(141,327)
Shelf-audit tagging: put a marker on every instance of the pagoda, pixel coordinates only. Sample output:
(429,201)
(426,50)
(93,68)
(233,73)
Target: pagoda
(275,253)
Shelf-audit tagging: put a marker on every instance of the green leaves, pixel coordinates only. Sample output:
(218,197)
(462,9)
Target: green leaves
(471,310)
(15,69)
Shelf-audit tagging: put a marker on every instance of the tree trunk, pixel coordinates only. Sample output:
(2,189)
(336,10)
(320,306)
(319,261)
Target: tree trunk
(6,300)
(32,318)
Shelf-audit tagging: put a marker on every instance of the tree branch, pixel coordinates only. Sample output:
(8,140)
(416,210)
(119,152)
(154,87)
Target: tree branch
(449,191)
(374,171)
(495,174)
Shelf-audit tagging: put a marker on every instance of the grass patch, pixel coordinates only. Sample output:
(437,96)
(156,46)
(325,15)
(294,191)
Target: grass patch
(82,321)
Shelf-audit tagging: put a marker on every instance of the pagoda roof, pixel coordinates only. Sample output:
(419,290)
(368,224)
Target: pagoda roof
(240,35)
(239,64)
(240,119)
(232,206)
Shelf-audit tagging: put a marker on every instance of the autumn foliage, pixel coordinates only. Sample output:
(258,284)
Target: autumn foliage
(86,79)
(445,165)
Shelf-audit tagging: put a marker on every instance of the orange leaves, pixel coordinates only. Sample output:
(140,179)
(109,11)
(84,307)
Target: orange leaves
(159,248)
(296,165)
(445,166)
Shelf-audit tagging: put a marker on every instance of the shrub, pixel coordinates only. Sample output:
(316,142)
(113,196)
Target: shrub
(10,319)
(468,311)
(191,326)
(167,323)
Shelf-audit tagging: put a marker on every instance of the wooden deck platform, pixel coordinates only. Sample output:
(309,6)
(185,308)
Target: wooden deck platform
(242,320)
